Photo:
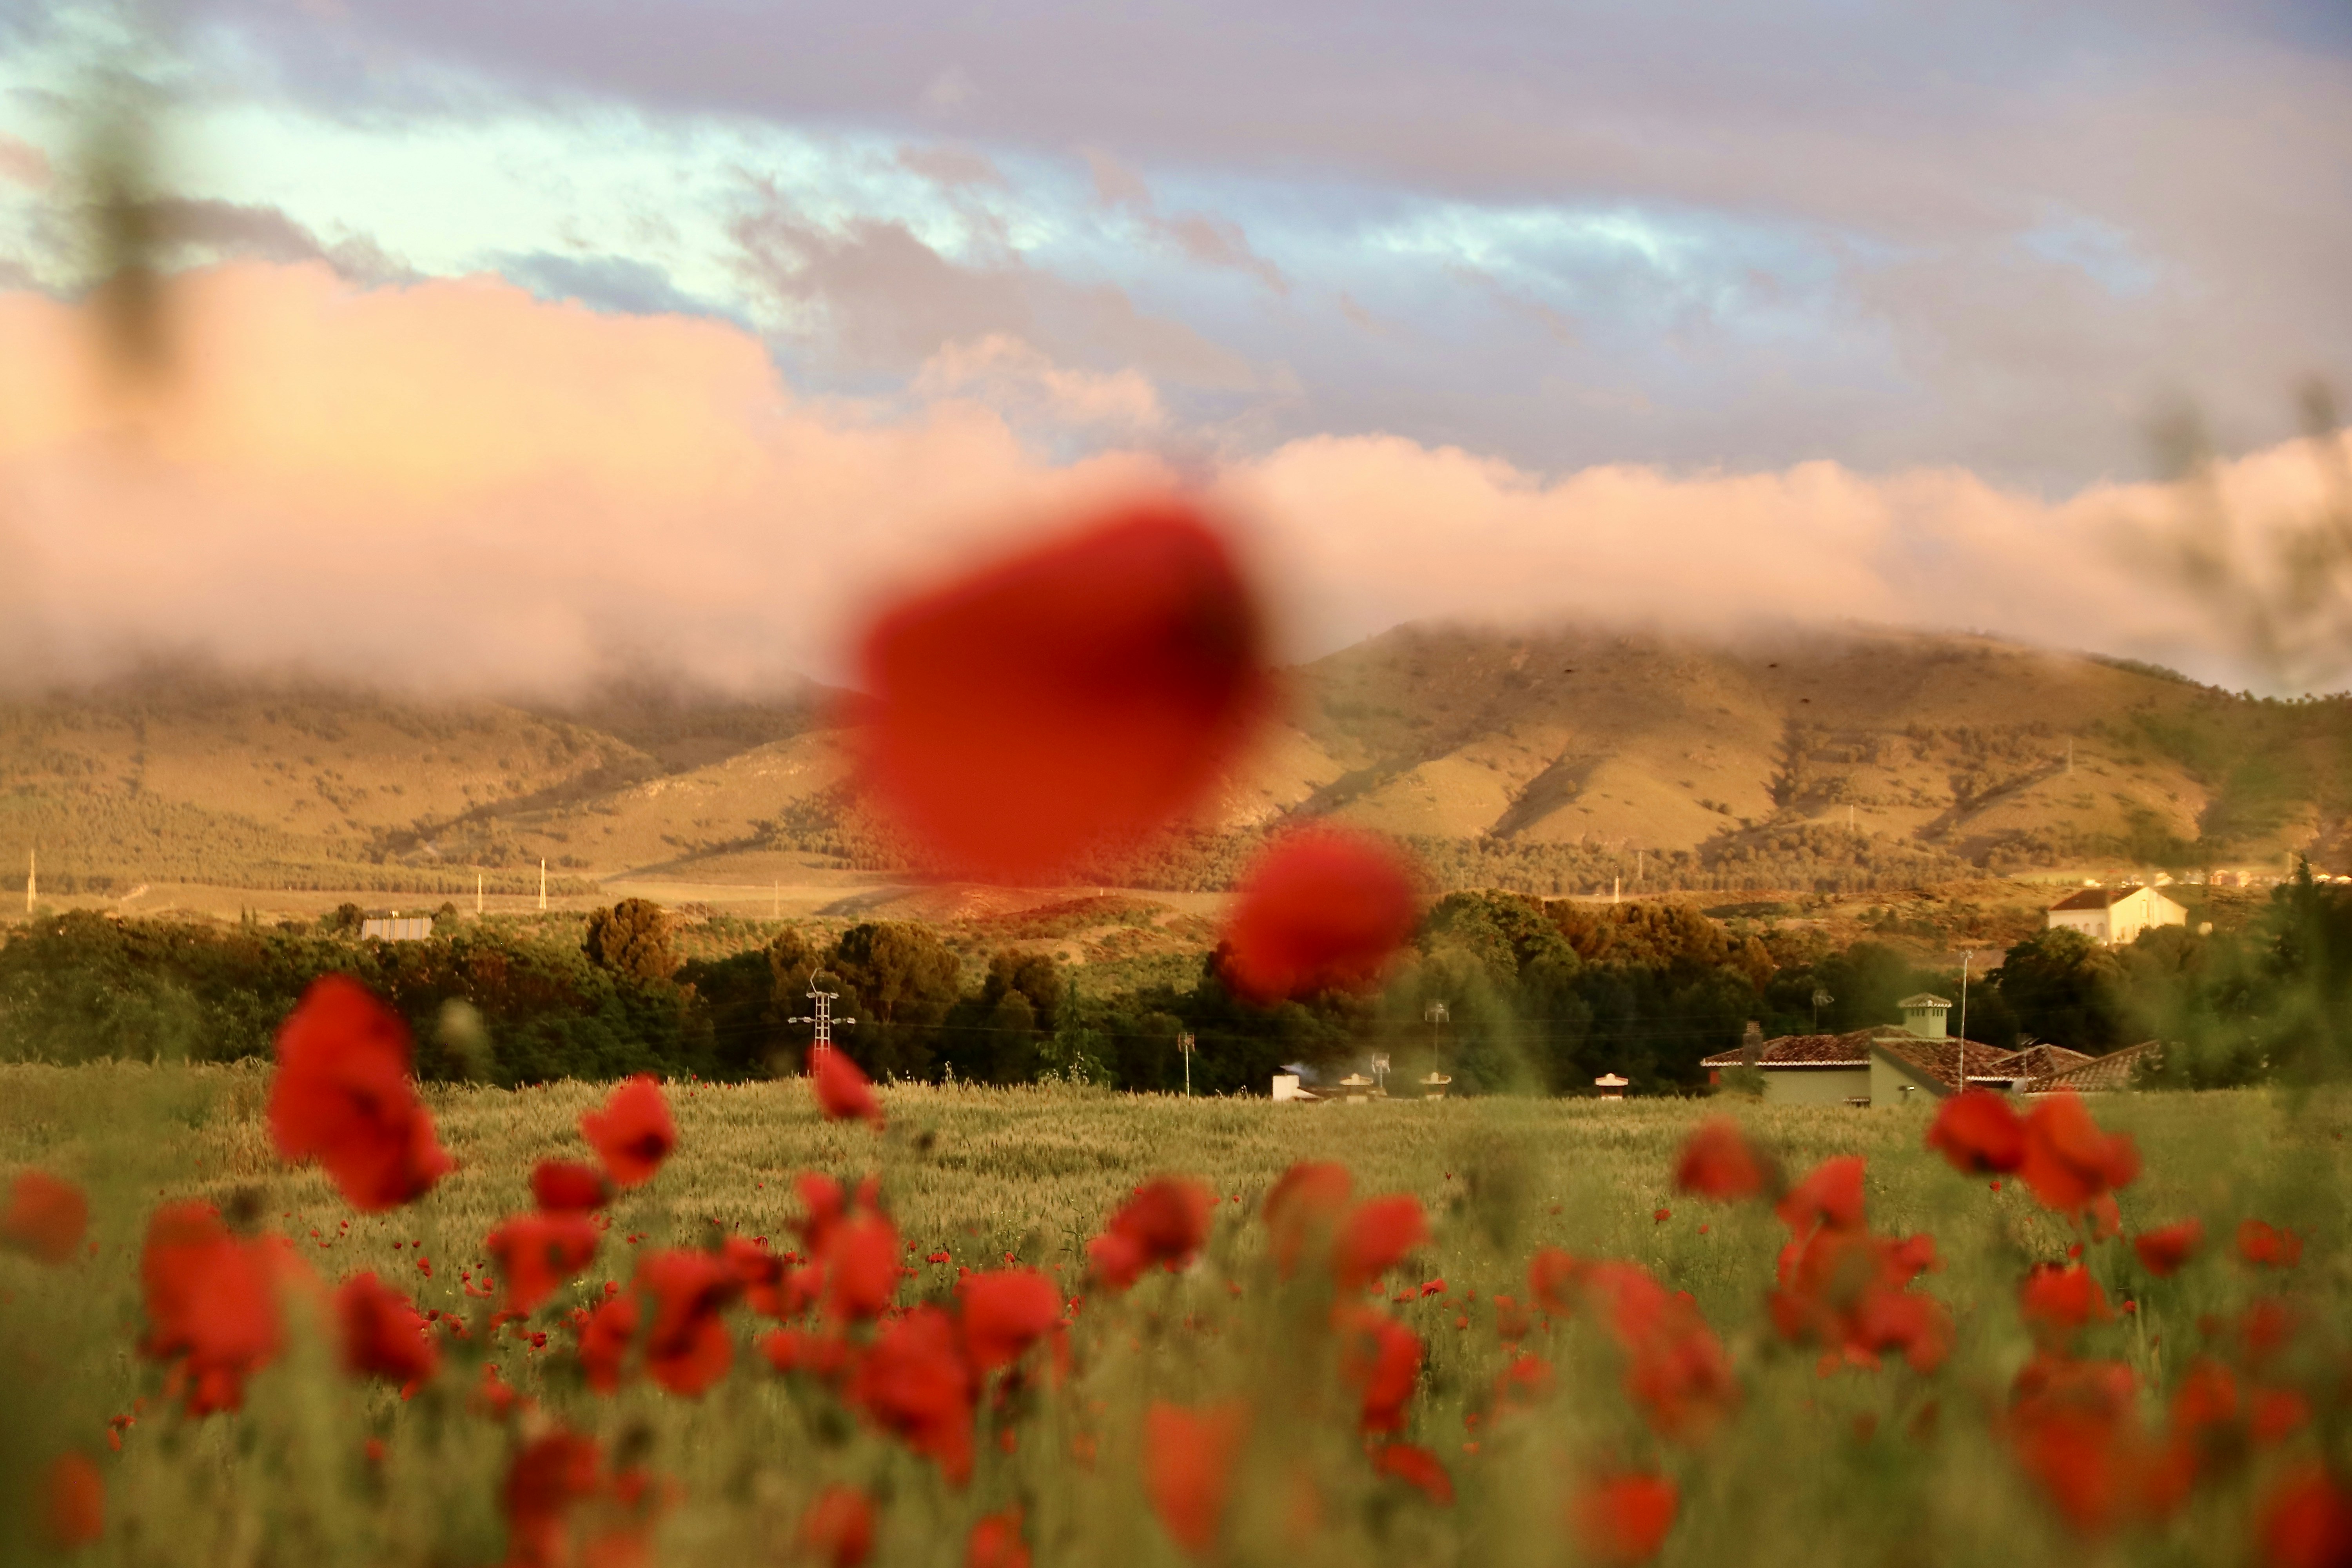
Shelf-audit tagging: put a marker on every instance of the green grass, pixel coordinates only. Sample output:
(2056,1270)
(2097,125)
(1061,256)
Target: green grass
(1859,1466)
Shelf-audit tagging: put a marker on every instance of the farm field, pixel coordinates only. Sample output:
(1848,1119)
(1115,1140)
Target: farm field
(1110,1440)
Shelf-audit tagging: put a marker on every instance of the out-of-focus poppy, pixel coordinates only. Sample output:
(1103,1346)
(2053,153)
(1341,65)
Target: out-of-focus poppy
(995,1542)
(861,1267)
(1830,1196)
(1623,1519)
(686,1346)
(343,1095)
(1718,1163)
(1552,1276)
(1417,1467)
(1306,1198)
(1004,1312)
(2058,1303)
(45,1218)
(633,1134)
(72,1501)
(843,1090)
(1377,1235)
(552,1475)
(1676,1369)
(384,1334)
(2068,1162)
(824,1205)
(798,1350)
(913,1382)
(1077,694)
(604,1340)
(2306,1522)
(1166,1222)
(2268,1246)
(212,1304)
(1980,1132)
(838,1529)
(2163,1250)
(1320,910)
(536,1253)
(1187,1467)
(760,1272)
(568,1186)
(1381,1358)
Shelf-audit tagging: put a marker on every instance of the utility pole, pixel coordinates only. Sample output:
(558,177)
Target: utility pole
(477,894)
(820,1016)
(1616,889)
(32,877)
(1184,1049)
(776,901)
(543,884)
(1966,959)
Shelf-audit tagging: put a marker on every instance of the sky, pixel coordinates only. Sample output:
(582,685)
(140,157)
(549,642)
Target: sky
(507,342)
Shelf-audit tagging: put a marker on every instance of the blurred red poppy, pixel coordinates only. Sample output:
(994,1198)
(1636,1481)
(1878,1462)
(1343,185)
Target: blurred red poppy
(2057,1302)
(343,1095)
(1306,1199)
(536,1253)
(1377,1235)
(1830,1196)
(913,1382)
(2068,1162)
(1077,694)
(1381,1358)
(384,1333)
(1623,1519)
(1320,910)
(995,1542)
(568,1186)
(1552,1274)
(2163,1251)
(2268,1246)
(838,1529)
(2074,1426)
(1416,1467)
(2306,1522)
(1676,1369)
(548,1479)
(212,1304)
(760,1273)
(686,1347)
(45,1218)
(826,1205)
(1187,1467)
(72,1501)
(1980,1132)
(1004,1312)
(1847,1290)
(798,1350)
(633,1134)
(1718,1163)
(604,1341)
(861,1267)
(1166,1222)
(843,1091)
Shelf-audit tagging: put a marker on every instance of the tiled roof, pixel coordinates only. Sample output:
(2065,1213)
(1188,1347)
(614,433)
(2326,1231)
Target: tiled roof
(1933,1059)
(2041,1061)
(2099,1074)
(1925,999)
(2093,897)
(1849,1049)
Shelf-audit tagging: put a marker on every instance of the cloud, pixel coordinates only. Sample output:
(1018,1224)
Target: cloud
(455,484)
(1026,386)
(25,164)
(613,283)
(1209,241)
(221,228)
(951,168)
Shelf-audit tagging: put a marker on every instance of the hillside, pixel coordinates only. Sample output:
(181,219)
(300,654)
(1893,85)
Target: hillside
(1848,760)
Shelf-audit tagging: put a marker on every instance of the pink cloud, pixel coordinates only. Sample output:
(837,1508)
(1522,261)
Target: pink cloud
(23,164)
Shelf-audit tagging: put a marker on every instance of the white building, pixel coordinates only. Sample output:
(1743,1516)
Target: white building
(2115,916)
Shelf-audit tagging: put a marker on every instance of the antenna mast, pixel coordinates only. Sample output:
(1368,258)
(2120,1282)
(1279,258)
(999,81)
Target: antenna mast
(820,1014)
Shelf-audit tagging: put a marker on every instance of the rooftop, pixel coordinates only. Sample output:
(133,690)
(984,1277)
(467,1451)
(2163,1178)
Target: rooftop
(2112,1071)
(1933,1059)
(1849,1049)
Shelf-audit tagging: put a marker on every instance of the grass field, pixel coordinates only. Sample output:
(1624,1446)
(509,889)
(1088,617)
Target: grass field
(1855,1464)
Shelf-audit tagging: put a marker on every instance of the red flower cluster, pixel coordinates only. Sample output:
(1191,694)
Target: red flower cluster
(1381,1359)
(843,1091)
(1676,1371)
(1187,1467)
(343,1095)
(1623,1519)
(1377,1235)
(633,1134)
(384,1333)
(567,1186)
(686,1347)
(72,1501)
(536,1253)
(45,1218)
(1165,1222)
(1321,910)
(1303,1206)
(1718,1163)
(2164,1251)
(212,1304)
(1847,1290)
(2056,1147)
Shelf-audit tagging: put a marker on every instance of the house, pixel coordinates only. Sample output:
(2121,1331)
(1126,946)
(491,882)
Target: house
(2115,916)
(2096,1075)
(1848,1069)
(396,927)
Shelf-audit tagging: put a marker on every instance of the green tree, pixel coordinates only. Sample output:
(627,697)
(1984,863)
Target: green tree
(632,939)
(902,979)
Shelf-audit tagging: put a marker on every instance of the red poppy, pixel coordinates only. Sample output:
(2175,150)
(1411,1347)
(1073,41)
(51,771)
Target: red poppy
(1552,1274)
(2058,1303)
(686,1347)
(1381,1358)
(536,1253)
(45,1218)
(1321,910)
(798,1350)
(1377,1235)
(1623,1519)
(995,1542)
(1718,1163)
(2277,1413)
(604,1340)
(1004,1312)
(73,1502)
(826,1205)
(1082,692)
(548,1477)
(2068,1162)
(1980,1132)
(1166,1222)
(1306,1199)
(2306,1522)
(567,1186)
(861,1267)
(2074,1426)
(1187,1467)
(2268,1246)
(633,1134)
(2205,1400)
(763,1276)
(384,1333)
(913,1382)
(1416,1467)
(2163,1251)
(838,1529)
(1676,1369)
(343,1095)
(843,1091)
(212,1304)
(1830,1196)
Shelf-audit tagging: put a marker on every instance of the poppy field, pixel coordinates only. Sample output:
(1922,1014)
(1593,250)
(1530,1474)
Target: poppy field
(316,1313)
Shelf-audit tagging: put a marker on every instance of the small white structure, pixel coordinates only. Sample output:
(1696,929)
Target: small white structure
(2114,917)
(397,928)
(1611,1086)
(1288,1087)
